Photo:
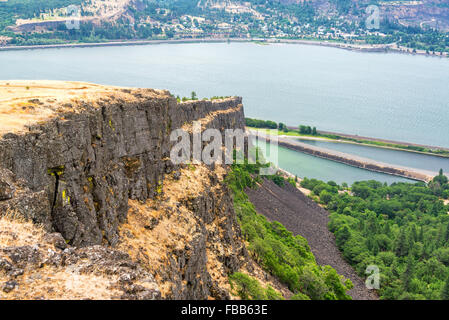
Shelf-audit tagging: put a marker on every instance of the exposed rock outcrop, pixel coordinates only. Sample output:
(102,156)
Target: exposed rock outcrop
(188,237)
(38,265)
(77,170)
(119,220)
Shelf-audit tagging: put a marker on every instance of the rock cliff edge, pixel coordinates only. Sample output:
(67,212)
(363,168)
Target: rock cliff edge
(86,181)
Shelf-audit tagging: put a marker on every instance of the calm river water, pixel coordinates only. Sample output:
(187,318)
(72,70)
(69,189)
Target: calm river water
(391,96)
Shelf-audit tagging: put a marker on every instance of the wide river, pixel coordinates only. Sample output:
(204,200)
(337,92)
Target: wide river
(391,96)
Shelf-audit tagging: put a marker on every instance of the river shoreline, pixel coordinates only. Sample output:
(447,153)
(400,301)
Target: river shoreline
(402,143)
(350,136)
(384,48)
(354,161)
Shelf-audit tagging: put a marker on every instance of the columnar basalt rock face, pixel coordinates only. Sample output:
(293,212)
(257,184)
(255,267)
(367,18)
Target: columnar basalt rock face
(75,172)
(188,237)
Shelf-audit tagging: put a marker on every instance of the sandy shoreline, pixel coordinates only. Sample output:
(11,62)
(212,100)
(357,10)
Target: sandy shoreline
(385,48)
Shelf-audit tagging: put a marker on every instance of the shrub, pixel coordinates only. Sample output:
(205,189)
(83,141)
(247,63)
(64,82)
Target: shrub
(245,287)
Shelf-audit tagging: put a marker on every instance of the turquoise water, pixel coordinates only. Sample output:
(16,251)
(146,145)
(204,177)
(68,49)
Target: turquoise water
(400,158)
(304,165)
(392,96)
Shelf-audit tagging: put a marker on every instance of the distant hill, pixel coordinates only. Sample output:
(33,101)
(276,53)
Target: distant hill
(16,13)
(419,24)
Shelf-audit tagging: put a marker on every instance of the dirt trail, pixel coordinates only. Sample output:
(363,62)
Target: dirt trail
(302,216)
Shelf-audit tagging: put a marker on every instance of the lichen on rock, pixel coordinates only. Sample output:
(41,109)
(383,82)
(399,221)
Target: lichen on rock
(112,216)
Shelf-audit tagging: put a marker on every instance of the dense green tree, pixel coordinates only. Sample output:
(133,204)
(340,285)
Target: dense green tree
(261,123)
(408,273)
(445,291)
(441,178)
(282,127)
(402,228)
(245,287)
(325,196)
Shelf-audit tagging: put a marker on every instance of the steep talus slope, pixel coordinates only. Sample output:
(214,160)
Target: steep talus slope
(302,216)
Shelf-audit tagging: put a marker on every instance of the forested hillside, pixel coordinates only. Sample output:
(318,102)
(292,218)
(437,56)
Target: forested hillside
(402,228)
(26,9)
(403,23)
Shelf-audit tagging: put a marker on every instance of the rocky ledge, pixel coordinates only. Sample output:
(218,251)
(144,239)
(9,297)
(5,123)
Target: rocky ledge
(86,150)
(92,207)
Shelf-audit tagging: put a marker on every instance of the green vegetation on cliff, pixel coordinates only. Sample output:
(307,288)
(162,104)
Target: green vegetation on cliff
(256,123)
(402,228)
(248,288)
(27,9)
(273,247)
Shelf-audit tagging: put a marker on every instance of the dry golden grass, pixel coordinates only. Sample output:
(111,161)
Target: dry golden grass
(47,282)
(15,231)
(25,103)
(53,284)
(152,248)
(173,231)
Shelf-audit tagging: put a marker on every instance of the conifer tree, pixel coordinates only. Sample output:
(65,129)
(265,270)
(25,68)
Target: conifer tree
(408,274)
(402,245)
(445,291)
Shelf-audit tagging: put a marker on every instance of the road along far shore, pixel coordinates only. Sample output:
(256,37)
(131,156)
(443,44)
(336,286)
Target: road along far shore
(355,161)
(374,48)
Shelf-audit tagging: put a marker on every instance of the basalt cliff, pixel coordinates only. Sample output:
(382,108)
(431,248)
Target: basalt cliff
(92,207)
